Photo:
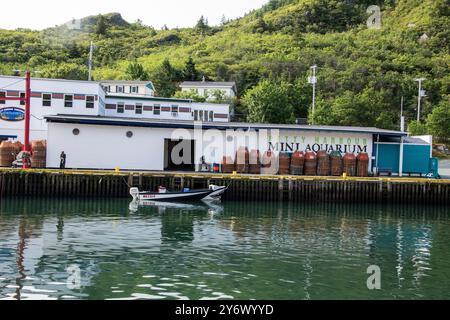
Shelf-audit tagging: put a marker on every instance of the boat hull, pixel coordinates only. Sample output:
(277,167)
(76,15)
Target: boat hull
(194,195)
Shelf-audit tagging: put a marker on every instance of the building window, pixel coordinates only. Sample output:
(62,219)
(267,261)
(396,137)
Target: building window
(68,100)
(211,116)
(120,89)
(22,95)
(174,111)
(120,108)
(90,100)
(195,115)
(2,95)
(134,89)
(200,115)
(138,109)
(46,99)
(157,110)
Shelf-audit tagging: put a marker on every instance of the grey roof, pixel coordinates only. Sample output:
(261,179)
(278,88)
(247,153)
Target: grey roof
(207,84)
(124,82)
(414,140)
(145,122)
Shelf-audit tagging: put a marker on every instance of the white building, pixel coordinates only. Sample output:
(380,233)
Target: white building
(88,98)
(207,89)
(142,88)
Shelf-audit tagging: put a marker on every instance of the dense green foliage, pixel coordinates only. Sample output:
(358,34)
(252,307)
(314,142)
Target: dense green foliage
(362,75)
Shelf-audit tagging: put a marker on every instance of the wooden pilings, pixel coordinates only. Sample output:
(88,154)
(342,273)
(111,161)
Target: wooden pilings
(241,187)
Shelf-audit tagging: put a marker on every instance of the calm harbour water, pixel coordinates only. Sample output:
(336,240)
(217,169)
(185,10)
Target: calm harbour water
(233,250)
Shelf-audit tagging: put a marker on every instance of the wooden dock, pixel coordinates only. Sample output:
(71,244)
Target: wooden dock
(80,183)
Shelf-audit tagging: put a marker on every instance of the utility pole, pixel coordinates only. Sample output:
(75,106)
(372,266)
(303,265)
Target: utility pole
(420,95)
(402,118)
(91,53)
(313,80)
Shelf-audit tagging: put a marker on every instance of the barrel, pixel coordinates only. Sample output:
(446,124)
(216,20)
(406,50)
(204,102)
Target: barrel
(6,154)
(297,163)
(227,165)
(310,163)
(269,163)
(254,165)
(336,163)
(284,161)
(323,163)
(362,166)
(242,160)
(39,154)
(350,164)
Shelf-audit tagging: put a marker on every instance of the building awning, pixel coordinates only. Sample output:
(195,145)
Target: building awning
(4,137)
(182,124)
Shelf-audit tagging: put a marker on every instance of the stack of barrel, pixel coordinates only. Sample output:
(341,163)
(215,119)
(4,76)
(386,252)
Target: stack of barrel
(336,163)
(310,163)
(269,163)
(6,154)
(362,165)
(227,165)
(39,154)
(350,164)
(323,163)
(254,165)
(242,160)
(297,163)
(284,161)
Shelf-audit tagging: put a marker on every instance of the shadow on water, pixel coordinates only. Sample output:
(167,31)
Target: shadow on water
(232,250)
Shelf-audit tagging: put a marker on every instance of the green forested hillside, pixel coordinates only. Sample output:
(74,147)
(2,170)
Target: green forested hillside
(363,73)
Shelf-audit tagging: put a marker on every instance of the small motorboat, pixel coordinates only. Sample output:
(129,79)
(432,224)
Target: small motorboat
(212,193)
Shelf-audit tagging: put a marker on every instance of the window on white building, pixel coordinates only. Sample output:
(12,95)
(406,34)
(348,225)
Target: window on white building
(211,116)
(174,111)
(120,89)
(68,100)
(22,95)
(120,107)
(138,108)
(90,100)
(134,89)
(195,115)
(46,99)
(157,109)
(2,95)
(200,115)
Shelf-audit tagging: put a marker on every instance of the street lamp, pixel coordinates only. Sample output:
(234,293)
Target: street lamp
(419,96)
(313,80)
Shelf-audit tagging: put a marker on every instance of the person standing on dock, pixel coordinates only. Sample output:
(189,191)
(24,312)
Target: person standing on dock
(62,163)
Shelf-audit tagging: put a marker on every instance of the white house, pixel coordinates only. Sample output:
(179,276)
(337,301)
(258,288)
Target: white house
(207,88)
(141,88)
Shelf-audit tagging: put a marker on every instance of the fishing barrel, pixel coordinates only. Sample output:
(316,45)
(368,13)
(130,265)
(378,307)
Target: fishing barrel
(6,154)
(284,161)
(350,164)
(269,163)
(242,160)
(297,163)
(362,164)
(254,165)
(310,163)
(227,165)
(323,163)
(39,154)
(336,163)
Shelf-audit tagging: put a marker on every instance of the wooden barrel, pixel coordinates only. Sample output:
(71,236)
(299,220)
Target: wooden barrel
(323,163)
(310,163)
(336,163)
(39,154)
(297,163)
(350,164)
(362,166)
(6,154)
(227,165)
(284,162)
(269,163)
(242,159)
(254,165)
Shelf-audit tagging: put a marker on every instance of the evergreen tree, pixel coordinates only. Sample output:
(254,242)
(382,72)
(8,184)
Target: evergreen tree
(190,73)
(135,71)
(101,26)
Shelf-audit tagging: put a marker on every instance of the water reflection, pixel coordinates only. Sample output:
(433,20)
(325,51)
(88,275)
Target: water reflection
(232,250)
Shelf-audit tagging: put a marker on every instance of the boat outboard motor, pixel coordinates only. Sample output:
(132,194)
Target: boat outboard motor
(134,192)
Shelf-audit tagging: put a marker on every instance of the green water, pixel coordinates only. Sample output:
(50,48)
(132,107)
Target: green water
(227,251)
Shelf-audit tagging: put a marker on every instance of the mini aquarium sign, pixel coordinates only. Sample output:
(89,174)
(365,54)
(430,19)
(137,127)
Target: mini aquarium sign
(12,114)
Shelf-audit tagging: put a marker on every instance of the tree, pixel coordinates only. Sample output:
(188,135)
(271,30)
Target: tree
(268,102)
(190,73)
(101,26)
(165,79)
(190,94)
(69,71)
(202,25)
(438,121)
(135,71)
(417,128)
